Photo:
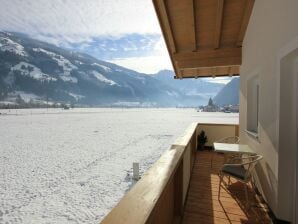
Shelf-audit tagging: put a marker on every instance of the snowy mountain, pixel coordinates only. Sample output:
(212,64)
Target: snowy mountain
(229,95)
(31,70)
(196,88)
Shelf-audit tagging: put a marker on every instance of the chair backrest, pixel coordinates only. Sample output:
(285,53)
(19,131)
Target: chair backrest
(229,140)
(250,165)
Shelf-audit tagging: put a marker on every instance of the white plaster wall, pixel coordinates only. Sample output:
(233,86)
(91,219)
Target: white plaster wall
(216,132)
(273,25)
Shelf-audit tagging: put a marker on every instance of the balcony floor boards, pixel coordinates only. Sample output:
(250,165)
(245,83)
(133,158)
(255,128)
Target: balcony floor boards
(202,204)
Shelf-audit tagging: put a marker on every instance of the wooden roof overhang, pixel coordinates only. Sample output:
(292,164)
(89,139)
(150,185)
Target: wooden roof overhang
(204,37)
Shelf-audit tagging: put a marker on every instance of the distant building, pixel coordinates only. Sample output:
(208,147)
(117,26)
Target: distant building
(211,107)
(230,108)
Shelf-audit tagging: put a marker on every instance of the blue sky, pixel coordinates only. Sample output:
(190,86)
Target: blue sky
(125,32)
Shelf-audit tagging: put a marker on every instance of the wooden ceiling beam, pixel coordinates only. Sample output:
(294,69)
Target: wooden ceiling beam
(207,75)
(205,54)
(218,23)
(211,71)
(209,62)
(194,25)
(245,20)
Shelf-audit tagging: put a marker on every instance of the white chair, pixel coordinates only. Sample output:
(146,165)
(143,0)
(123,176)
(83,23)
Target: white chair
(241,171)
(229,140)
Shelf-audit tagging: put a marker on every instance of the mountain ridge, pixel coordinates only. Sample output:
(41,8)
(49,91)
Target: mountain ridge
(229,94)
(38,71)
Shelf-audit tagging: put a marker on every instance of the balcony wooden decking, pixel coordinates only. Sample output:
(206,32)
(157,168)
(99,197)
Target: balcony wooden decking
(202,204)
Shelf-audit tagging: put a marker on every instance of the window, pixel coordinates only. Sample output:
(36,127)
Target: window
(253,105)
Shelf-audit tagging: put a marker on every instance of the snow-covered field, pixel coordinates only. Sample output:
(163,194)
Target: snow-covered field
(73,166)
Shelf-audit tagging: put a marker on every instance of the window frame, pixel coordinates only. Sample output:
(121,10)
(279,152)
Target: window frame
(253,106)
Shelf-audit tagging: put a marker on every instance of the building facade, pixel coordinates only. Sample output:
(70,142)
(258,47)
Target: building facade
(269,59)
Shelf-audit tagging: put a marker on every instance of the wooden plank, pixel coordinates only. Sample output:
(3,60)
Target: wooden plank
(181,16)
(209,62)
(205,21)
(219,16)
(247,12)
(194,26)
(203,54)
(220,71)
(232,19)
(164,204)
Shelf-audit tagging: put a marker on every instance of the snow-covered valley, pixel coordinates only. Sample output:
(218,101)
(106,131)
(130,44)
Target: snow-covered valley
(73,166)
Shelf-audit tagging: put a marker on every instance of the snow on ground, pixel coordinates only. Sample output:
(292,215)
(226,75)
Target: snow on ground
(7,44)
(63,62)
(31,70)
(107,69)
(67,78)
(102,78)
(71,166)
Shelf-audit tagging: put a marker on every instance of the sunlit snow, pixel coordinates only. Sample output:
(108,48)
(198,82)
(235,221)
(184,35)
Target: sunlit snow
(107,69)
(101,78)
(7,44)
(30,70)
(73,166)
(63,62)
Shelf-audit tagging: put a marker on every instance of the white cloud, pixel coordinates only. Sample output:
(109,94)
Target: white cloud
(78,20)
(149,65)
(160,45)
(70,23)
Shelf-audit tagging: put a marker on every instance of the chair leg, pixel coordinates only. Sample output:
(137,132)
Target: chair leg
(220,181)
(229,180)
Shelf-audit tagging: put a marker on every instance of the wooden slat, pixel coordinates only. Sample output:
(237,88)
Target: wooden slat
(205,54)
(205,20)
(232,19)
(209,62)
(219,16)
(247,12)
(194,26)
(218,71)
(181,15)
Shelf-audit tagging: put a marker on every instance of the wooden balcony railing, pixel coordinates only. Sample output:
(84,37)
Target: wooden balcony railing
(159,196)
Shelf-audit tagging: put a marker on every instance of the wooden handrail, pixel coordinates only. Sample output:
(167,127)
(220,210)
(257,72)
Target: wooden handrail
(137,205)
